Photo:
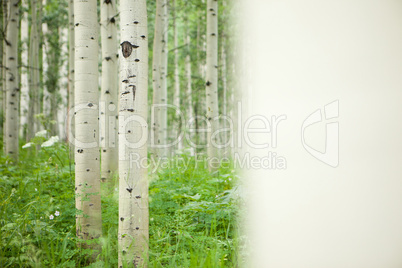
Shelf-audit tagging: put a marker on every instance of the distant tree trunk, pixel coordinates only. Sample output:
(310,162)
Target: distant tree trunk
(200,107)
(109,91)
(34,75)
(71,51)
(24,72)
(212,111)
(177,128)
(46,101)
(133,133)
(63,86)
(12,83)
(189,90)
(159,71)
(3,65)
(87,164)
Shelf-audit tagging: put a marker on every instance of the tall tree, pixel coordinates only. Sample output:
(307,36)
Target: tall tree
(24,71)
(133,133)
(109,90)
(176,97)
(71,52)
(11,128)
(212,111)
(159,76)
(34,72)
(87,165)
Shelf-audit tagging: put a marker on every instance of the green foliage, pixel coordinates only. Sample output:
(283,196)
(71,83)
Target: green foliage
(192,214)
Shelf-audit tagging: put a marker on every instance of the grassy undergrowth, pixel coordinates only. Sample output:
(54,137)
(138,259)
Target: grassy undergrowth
(192,215)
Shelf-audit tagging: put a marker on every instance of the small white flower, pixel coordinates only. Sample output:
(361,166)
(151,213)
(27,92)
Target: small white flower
(216,196)
(41,133)
(51,217)
(36,190)
(41,217)
(57,213)
(50,142)
(230,179)
(29,144)
(226,181)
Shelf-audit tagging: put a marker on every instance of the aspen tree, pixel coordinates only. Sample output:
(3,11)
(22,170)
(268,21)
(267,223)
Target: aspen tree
(24,71)
(63,87)
(34,75)
(12,83)
(3,65)
(87,165)
(71,50)
(159,73)
(212,77)
(176,97)
(109,90)
(133,132)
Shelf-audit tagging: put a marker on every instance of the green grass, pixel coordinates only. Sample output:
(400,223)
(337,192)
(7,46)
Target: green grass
(192,215)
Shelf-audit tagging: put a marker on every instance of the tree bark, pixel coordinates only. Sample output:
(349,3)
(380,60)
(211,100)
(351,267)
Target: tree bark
(87,164)
(109,91)
(133,132)
(34,74)
(24,72)
(12,83)
(212,111)
(159,71)
(71,52)
(177,128)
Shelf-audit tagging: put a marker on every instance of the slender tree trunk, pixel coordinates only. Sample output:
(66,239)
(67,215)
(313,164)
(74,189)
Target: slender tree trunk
(212,111)
(24,72)
(109,90)
(159,71)
(87,164)
(63,86)
(3,65)
(133,133)
(177,128)
(189,90)
(71,52)
(12,83)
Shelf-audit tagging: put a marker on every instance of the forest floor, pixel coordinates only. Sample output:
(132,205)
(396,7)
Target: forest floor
(193,214)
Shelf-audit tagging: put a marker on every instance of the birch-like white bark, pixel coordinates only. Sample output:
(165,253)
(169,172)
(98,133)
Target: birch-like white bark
(109,91)
(63,87)
(176,98)
(87,164)
(12,83)
(212,111)
(71,52)
(33,76)
(133,132)
(159,73)
(24,71)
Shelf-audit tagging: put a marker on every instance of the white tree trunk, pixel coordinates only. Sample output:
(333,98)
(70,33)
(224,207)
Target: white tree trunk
(109,91)
(63,86)
(71,52)
(212,77)
(12,83)
(133,133)
(87,164)
(33,59)
(46,101)
(159,71)
(3,69)
(24,72)
(189,90)
(176,97)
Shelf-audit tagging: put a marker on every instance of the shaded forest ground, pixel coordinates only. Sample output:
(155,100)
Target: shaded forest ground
(193,214)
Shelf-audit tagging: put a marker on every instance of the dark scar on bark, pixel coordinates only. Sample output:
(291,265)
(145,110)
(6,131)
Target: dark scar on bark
(127,48)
